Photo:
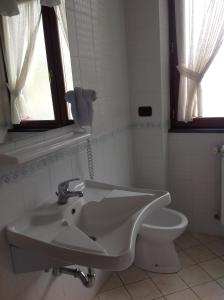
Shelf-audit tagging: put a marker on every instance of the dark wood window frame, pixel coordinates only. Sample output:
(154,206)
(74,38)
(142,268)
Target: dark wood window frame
(197,123)
(55,69)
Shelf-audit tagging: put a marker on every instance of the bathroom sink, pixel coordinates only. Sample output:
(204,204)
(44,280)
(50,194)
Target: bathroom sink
(97,230)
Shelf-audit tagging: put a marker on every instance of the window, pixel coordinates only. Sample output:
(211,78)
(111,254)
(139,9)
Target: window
(199,64)
(48,78)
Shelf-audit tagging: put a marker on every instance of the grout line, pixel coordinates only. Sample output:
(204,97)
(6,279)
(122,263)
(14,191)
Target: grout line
(138,280)
(188,287)
(195,294)
(219,283)
(211,279)
(163,294)
(201,243)
(199,265)
(201,262)
(128,292)
(180,292)
(214,279)
(158,288)
(133,282)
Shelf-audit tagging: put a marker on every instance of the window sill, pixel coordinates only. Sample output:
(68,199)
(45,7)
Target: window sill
(196,130)
(27,149)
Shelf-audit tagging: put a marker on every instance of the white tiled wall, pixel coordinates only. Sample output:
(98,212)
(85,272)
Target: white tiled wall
(147,40)
(27,192)
(195,178)
(98,50)
(194,172)
(99,58)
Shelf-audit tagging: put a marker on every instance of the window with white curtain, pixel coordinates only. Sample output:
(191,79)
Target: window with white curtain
(38,65)
(197,63)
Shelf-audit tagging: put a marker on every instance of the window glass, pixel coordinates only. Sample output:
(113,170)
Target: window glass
(37,88)
(213,88)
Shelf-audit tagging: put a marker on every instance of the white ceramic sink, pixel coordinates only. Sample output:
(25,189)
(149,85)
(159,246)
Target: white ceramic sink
(98,230)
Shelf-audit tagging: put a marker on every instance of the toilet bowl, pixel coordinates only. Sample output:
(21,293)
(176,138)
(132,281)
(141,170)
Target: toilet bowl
(155,250)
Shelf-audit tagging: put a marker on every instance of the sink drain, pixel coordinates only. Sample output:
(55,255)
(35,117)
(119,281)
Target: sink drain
(93,238)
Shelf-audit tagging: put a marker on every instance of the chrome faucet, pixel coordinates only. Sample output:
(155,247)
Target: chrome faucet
(64,193)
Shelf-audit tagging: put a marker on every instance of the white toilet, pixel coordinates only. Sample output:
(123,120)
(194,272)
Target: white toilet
(155,250)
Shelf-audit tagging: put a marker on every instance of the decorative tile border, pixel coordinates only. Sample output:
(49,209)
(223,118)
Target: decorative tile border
(147,125)
(18,172)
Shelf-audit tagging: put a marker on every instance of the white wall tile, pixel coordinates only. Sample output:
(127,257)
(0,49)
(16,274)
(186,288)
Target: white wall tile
(76,71)
(88,73)
(84,28)
(146,80)
(72,33)
(192,161)
(36,189)
(69,4)
(83,6)
(142,76)
(60,170)
(95,28)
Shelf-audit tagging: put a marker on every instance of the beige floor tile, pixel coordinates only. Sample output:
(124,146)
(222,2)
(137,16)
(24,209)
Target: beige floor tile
(183,295)
(209,291)
(118,294)
(153,274)
(132,274)
(185,260)
(221,281)
(216,246)
(112,283)
(204,238)
(194,275)
(200,266)
(187,241)
(169,283)
(215,268)
(143,290)
(200,253)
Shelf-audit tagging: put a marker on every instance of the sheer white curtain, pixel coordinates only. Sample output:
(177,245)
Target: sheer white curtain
(61,15)
(60,11)
(200,33)
(19,40)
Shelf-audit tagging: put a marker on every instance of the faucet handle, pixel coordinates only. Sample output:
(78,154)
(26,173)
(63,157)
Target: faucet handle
(64,193)
(63,186)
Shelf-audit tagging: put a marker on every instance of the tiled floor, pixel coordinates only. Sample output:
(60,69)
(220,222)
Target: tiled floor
(201,276)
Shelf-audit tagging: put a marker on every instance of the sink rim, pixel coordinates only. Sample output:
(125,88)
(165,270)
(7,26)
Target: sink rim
(110,262)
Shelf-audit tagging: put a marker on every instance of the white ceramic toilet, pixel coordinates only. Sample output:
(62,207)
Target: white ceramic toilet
(155,250)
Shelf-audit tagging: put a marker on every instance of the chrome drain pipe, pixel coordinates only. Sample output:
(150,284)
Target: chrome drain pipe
(87,280)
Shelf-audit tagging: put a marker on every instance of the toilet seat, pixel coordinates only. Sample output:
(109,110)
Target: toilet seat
(165,218)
